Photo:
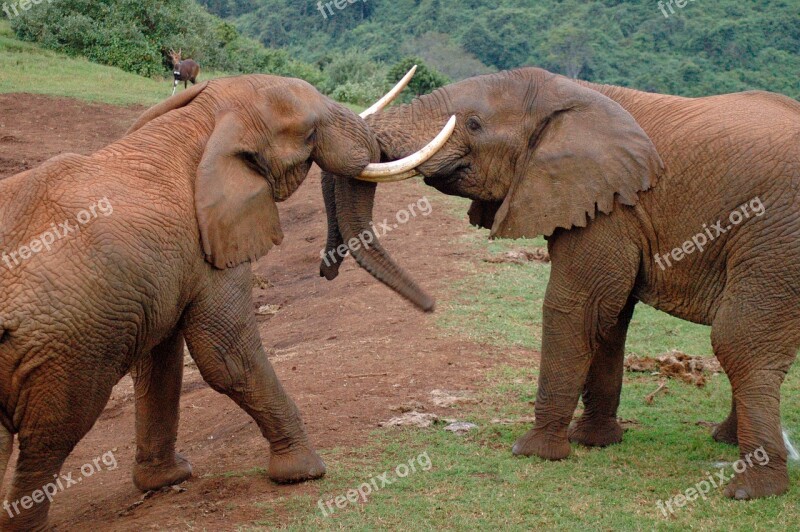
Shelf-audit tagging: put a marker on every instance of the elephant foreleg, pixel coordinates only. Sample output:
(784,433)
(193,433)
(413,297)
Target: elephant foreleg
(598,426)
(584,328)
(224,341)
(157,380)
(565,364)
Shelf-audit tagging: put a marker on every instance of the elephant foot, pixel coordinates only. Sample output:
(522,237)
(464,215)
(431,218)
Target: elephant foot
(725,432)
(595,432)
(294,466)
(151,477)
(537,442)
(755,483)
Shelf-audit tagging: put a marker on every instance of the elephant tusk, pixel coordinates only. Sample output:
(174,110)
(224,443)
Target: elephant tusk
(405,168)
(391,95)
(393,178)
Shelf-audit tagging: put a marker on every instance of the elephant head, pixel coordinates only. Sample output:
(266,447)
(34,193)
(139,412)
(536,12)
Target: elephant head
(534,151)
(263,135)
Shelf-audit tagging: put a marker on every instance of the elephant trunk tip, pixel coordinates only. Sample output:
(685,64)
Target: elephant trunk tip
(426,303)
(329,272)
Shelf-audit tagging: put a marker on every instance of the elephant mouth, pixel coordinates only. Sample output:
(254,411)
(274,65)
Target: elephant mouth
(447,178)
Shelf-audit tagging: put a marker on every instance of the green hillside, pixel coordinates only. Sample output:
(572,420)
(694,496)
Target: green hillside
(27,67)
(354,53)
(136,36)
(703,48)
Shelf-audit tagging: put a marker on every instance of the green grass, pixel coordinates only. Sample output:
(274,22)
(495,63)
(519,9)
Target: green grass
(25,67)
(476,483)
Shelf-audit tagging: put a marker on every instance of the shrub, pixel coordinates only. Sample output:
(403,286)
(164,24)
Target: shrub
(425,80)
(135,35)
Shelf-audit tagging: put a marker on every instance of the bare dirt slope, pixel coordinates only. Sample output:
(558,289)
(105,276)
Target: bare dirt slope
(347,351)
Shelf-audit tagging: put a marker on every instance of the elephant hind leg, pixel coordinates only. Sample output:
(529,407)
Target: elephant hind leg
(755,336)
(726,431)
(157,379)
(61,408)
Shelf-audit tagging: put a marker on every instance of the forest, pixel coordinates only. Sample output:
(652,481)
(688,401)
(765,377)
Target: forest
(355,52)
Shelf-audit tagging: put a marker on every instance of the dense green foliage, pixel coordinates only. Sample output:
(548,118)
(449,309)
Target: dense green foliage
(354,53)
(424,81)
(704,48)
(136,34)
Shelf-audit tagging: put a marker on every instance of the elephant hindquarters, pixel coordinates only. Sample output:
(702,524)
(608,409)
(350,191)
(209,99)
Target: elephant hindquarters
(47,429)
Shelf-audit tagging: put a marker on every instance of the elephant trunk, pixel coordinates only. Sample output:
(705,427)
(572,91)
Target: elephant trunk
(398,134)
(349,204)
(331,259)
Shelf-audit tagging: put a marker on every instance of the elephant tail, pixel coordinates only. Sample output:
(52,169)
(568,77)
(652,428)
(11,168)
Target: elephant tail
(6,446)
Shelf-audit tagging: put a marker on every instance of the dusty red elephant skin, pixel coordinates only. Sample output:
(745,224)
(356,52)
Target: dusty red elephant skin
(108,258)
(311,333)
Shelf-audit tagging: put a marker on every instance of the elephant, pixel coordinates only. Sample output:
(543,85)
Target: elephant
(688,205)
(109,262)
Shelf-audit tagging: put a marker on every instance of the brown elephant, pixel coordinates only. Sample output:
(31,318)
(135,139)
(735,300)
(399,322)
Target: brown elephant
(689,205)
(110,261)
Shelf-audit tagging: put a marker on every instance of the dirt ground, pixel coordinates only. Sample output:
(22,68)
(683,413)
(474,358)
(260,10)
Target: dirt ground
(347,351)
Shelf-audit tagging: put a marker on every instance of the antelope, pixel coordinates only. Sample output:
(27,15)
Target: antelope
(185,71)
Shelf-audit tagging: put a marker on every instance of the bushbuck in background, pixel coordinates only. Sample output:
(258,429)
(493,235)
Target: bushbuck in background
(184,71)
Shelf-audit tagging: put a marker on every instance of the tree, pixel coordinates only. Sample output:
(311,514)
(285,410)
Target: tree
(425,80)
(569,51)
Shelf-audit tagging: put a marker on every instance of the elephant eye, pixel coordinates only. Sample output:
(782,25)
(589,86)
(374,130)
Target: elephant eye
(473,124)
(311,137)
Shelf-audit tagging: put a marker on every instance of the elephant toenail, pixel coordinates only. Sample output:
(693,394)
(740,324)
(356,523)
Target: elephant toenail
(741,495)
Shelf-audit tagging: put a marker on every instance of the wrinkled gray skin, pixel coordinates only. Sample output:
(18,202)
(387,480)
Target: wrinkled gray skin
(614,177)
(193,189)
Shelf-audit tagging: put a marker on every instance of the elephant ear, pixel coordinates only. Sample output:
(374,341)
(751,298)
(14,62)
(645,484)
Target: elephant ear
(236,211)
(586,152)
(176,102)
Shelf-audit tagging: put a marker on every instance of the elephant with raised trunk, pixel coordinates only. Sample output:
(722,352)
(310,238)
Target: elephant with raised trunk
(158,232)
(630,188)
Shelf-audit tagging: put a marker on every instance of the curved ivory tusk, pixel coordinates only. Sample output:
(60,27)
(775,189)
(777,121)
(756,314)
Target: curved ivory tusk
(404,168)
(391,95)
(392,178)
